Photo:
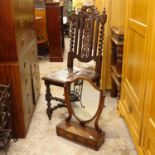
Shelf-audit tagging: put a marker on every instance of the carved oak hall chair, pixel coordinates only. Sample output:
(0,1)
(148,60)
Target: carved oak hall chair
(86,45)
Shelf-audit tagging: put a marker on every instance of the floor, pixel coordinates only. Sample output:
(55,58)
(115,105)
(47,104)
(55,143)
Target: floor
(41,138)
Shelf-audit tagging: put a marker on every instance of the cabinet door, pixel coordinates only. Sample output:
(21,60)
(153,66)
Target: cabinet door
(135,65)
(148,139)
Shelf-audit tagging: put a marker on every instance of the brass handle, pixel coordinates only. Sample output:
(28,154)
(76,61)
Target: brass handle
(22,41)
(26,80)
(129,109)
(34,52)
(32,34)
(21,23)
(25,64)
(28,96)
(20,4)
(29,110)
(34,65)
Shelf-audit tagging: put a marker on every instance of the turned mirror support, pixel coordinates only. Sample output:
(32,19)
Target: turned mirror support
(75,127)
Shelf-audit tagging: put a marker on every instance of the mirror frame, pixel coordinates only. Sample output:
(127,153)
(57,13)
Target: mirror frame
(71,112)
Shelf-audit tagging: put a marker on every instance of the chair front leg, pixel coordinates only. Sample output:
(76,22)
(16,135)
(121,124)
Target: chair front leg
(48,97)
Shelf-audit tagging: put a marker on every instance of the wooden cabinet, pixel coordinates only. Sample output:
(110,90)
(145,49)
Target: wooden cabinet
(148,127)
(116,60)
(137,104)
(40,25)
(54,16)
(19,60)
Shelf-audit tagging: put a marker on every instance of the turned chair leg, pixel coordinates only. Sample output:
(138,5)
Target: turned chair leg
(48,97)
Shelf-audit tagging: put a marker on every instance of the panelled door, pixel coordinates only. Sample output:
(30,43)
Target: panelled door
(148,132)
(135,65)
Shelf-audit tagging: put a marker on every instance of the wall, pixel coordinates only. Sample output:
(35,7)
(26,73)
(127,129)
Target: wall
(118,13)
(115,17)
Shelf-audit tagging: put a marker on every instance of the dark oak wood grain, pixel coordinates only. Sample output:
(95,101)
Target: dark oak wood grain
(79,131)
(86,44)
(54,14)
(86,136)
(19,60)
(117,37)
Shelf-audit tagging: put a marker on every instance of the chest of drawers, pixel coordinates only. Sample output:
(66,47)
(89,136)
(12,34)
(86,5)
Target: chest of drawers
(19,60)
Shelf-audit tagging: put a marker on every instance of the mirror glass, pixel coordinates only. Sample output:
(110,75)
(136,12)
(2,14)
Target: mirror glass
(84,99)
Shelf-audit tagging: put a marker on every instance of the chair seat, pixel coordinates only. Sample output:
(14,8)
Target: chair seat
(60,77)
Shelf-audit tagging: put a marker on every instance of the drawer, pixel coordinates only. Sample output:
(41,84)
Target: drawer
(28,108)
(22,42)
(24,24)
(34,53)
(27,100)
(30,7)
(35,69)
(20,6)
(37,92)
(31,35)
(26,84)
(36,79)
(133,116)
(24,65)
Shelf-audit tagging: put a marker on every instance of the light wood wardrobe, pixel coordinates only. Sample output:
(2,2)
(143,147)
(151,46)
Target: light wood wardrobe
(137,103)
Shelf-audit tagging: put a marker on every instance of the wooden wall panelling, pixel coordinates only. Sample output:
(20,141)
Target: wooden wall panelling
(35,75)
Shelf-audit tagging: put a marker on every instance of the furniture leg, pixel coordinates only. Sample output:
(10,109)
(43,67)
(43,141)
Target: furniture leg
(48,97)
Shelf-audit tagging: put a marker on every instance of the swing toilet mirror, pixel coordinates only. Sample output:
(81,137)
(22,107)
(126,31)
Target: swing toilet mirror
(85,103)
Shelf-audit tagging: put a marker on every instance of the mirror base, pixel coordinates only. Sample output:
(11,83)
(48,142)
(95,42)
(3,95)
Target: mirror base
(81,134)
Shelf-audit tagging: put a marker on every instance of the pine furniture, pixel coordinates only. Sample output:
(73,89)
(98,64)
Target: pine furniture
(137,102)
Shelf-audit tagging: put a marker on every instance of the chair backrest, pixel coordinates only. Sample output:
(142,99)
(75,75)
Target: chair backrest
(87,32)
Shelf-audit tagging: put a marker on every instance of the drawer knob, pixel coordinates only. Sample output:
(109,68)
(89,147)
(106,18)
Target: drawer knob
(20,4)
(25,64)
(32,34)
(29,110)
(130,109)
(22,41)
(28,95)
(26,80)
(21,23)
